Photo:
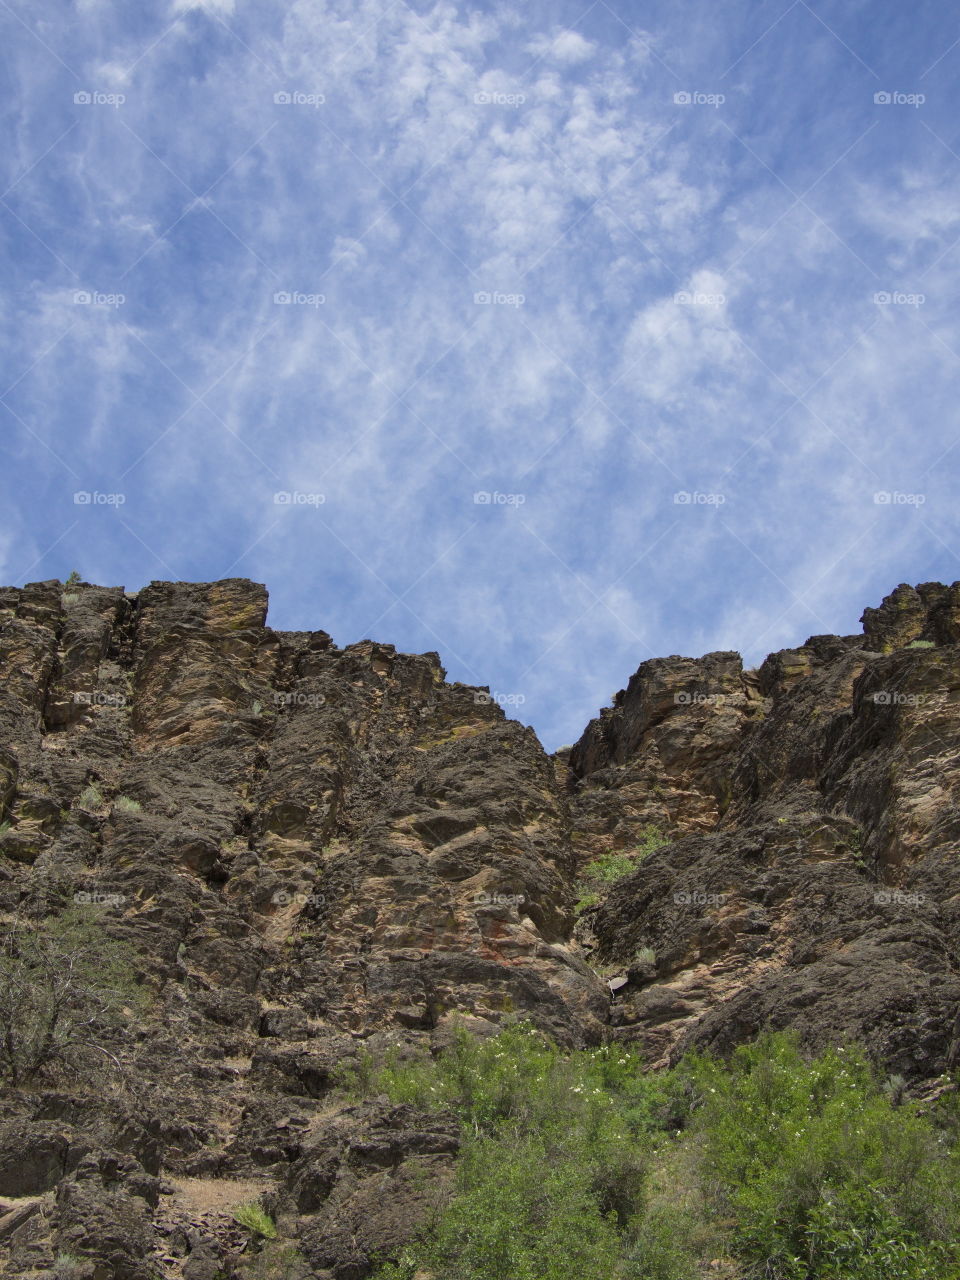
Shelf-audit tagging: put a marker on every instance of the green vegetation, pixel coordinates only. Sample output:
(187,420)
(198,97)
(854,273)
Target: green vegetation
(613,866)
(582,1166)
(73,579)
(65,987)
(90,797)
(256,1220)
(126,804)
(921,644)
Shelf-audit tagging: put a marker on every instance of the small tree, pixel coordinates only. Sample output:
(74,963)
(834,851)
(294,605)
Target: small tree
(64,986)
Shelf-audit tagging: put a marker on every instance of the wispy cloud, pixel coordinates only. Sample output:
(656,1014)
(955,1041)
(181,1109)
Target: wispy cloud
(676,300)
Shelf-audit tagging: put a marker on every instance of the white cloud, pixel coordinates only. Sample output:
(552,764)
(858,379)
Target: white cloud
(568,48)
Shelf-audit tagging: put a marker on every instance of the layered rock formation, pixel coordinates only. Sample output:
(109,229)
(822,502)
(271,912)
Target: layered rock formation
(312,850)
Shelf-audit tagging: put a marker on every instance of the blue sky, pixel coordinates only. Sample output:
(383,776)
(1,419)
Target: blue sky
(674,285)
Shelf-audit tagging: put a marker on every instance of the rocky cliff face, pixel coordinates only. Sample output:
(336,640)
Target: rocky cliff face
(311,849)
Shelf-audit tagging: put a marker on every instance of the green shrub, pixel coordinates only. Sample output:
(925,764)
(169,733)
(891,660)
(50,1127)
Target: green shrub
(921,644)
(814,1165)
(64,988)
(256,1219)
(126,804)
(610,867)
(90,798)
(581,1166)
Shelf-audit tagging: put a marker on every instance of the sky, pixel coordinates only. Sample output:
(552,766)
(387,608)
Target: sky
(549,336)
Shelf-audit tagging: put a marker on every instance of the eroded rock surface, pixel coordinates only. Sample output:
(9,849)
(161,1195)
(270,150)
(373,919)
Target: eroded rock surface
(308,848)
(314,850)
(812,879)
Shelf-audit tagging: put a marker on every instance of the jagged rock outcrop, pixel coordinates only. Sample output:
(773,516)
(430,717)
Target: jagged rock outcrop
(307,847)
(824,895)
(312,849)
